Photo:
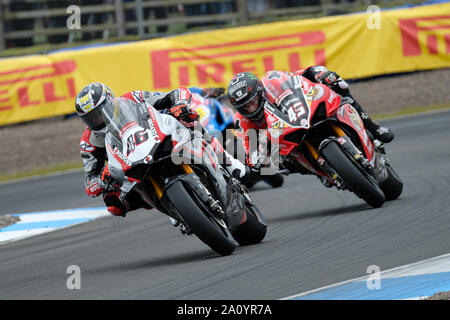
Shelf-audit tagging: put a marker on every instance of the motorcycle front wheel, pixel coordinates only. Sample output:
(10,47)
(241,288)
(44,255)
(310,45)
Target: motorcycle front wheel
(352,176)
(203,226)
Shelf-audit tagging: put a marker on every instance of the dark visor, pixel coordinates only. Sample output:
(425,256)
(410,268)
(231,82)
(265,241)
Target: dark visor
(94,119)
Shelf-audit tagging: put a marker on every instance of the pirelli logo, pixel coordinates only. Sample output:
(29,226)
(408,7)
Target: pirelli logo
(432,32)
(183,66)
(38,84)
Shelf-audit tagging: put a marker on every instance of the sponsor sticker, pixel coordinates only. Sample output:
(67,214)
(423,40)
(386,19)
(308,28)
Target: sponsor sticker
(122,157)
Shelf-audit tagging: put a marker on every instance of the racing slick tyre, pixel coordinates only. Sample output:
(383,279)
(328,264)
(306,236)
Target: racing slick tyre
(203,226)
(393,186)
(352,176)
(253,229)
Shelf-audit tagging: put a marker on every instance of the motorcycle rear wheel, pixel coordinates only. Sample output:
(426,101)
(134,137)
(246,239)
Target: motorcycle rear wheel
(352,176)
(393,185)
(253,230)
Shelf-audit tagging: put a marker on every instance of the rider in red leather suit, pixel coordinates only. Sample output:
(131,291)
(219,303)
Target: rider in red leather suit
(248,95)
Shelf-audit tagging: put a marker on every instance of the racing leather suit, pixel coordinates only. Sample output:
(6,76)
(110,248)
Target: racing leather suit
(93,151)
(92,143)
(317,74)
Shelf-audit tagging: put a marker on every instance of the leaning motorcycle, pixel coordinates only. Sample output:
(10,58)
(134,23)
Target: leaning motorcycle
(174,170)
(216,117)
(319,133)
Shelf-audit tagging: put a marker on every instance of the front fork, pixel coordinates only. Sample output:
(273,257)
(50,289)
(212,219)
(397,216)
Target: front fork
(377,167)
(200,190)
(158,190)
(349,148)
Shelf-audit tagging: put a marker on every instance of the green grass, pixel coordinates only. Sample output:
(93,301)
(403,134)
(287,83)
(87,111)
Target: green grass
(42,171)
(410,111)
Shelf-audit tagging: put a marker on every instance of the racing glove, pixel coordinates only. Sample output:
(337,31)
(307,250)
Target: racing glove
(184,114)
(98,184)
(111,194)
(334,81)
(327,77)
(107,182)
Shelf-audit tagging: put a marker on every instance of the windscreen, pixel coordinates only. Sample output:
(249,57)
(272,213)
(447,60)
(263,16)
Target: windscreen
(120,115)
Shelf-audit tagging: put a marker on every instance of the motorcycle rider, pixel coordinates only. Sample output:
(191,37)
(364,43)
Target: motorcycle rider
(88,105)
(248,95)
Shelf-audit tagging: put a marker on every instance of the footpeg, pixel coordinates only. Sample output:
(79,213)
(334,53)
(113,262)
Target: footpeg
(185,230)
(215,206)
(174,222)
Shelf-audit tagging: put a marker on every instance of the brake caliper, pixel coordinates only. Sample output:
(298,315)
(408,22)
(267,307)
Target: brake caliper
(331,172)
(206,196)
(352,150)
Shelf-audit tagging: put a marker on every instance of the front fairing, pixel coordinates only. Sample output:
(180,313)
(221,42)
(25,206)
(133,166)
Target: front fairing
(296,107)
(135,132)
(349,116)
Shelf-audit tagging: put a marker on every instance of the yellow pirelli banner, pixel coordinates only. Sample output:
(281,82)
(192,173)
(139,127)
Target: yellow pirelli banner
(355,46)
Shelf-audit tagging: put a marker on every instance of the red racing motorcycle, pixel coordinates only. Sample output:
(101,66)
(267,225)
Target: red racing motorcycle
(320,133)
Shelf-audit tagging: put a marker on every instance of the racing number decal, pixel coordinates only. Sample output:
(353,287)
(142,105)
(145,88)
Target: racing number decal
(139,137)
(130,145)
(296,111)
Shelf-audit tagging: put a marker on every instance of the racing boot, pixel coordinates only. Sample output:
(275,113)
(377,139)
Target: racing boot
(114,205)
(341,87)
(120,208)
(381,133)
(234,167)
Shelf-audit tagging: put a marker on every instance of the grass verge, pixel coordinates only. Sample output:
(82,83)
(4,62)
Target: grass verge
(410,111)
(42,171)
(8,220)
(439,296)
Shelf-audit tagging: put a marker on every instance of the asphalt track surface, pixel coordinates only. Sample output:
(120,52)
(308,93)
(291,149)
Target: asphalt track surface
(316,236)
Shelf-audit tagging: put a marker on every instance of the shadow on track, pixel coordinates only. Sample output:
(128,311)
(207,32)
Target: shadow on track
(321,213)
(155,262)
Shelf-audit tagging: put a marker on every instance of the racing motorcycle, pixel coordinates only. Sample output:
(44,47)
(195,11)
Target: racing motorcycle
(320,133)
(216,116)
(174,170)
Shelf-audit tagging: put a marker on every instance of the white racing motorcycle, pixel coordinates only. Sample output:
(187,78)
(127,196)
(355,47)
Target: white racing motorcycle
(174,170)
